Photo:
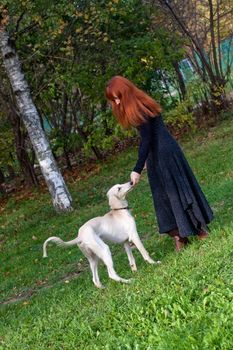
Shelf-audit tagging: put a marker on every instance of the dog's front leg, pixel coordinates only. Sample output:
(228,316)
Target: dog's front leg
(137,242)
(131,259)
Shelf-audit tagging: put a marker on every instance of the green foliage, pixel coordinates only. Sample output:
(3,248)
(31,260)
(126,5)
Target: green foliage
(6,143)
(58,140)
(180,117)
(184,303)
(99,136)
(81,46)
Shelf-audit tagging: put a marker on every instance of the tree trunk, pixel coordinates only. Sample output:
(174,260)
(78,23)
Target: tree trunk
(180,79)
(164,79)
(21,152)
(83,135)
(11,172)
(2,180)
(65,131)
(217,82)
(95,149)
(28,112)
(218,97)
(108,130)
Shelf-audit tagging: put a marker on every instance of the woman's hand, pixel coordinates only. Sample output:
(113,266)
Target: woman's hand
(135,177)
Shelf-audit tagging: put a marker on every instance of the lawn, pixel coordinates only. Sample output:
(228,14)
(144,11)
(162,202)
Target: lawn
(184,303)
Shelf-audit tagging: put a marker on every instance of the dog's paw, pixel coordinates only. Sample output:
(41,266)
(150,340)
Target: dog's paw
(154,262)
(99,286)
(150,261)
(123,280)
(131,280)
(133,268)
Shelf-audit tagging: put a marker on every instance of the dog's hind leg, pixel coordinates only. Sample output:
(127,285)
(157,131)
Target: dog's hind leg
(93,262)
(103,252)
(131,259)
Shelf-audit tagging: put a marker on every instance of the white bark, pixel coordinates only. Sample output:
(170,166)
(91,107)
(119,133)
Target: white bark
(28,112)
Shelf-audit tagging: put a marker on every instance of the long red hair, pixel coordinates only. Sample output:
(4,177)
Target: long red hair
(135,105)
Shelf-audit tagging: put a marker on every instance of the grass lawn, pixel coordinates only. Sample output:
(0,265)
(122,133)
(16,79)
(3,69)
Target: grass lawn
(184,303)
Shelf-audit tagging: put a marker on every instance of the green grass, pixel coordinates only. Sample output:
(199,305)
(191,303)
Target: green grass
(184,303)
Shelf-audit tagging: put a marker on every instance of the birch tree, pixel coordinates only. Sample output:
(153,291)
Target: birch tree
(28,112)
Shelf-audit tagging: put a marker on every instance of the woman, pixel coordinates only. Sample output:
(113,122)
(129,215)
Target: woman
(181,207)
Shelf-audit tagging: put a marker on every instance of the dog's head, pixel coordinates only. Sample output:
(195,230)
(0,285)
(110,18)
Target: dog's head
(117,194)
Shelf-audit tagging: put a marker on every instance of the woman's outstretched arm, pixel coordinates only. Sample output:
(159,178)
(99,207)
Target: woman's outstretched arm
(144,147)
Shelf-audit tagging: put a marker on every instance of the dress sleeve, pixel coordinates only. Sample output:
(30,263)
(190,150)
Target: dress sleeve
(144,147)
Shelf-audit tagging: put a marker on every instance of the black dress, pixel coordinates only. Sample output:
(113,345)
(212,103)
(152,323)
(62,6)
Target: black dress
(178,199)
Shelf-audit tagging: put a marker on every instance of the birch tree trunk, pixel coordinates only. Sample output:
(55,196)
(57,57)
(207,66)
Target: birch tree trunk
(60,195)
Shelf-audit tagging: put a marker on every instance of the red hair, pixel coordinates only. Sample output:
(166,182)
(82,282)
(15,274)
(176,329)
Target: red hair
(135,105)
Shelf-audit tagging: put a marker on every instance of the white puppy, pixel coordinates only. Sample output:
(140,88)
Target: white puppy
(117,226)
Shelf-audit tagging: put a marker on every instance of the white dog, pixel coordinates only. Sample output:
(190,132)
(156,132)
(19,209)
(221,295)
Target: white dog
(117,226)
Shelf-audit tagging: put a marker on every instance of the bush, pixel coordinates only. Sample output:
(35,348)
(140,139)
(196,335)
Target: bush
(180,117)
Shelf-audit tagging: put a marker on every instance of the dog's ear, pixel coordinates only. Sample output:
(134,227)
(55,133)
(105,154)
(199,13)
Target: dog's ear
(108,193)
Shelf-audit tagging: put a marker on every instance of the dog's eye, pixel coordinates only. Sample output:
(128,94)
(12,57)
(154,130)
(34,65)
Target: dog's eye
(119,189)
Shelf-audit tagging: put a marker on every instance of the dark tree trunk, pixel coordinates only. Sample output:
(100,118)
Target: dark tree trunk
(95,149)
(21,152)
(167,87)
(67,158)
(65,130)
(2,180)
(180,79)
(97,152)
(216,80)
(83,135)
(218,97)
(2,177)
(108,131)
(11,172)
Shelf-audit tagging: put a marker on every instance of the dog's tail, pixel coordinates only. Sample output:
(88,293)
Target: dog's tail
(59,242)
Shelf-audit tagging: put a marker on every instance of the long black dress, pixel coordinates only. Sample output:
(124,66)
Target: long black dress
(178,199)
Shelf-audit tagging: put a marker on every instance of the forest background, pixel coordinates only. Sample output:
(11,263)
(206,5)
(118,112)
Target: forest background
(180,52)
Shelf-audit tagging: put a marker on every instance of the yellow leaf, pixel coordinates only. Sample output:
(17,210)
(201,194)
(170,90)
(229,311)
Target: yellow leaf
(79,14)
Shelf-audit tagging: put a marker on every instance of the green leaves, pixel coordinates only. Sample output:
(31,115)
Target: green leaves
(6,143)
(72,49)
